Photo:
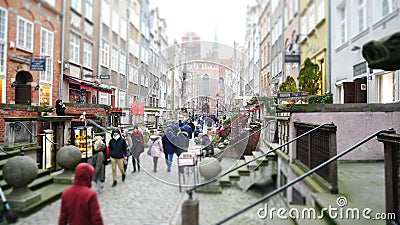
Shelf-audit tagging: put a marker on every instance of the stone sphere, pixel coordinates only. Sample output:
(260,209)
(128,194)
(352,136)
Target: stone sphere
(209,168)
(68,157)
(19,171)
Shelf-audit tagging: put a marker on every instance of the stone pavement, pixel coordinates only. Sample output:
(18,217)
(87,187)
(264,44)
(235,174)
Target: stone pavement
(148,198)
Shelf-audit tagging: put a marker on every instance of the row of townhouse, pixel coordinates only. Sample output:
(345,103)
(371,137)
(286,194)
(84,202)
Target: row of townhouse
(91,52)
(330,33)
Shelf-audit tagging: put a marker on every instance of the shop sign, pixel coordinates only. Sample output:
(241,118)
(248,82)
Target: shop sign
(104,76)
(360,69)
(293,58)
(38,64)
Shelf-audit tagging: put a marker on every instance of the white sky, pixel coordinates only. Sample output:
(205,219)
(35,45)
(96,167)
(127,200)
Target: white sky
(204,17)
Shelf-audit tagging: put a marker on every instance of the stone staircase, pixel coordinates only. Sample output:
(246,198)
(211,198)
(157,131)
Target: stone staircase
(43,184)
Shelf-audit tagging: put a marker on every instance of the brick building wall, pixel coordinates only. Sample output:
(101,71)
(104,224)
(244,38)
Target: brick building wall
(6,113)
(42,15)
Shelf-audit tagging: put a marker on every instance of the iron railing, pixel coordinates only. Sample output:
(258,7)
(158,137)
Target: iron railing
(273,193)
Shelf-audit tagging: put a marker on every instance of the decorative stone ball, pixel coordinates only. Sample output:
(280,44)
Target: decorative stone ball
(68,157)
(19,171)
(209,168)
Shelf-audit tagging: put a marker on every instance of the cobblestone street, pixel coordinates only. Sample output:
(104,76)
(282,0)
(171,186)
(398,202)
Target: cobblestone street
(148,198)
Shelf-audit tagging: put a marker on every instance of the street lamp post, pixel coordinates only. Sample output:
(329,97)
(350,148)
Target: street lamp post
(217,95)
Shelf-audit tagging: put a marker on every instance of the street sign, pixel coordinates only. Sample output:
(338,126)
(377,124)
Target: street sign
(38,64)
(293,58)
(104,76)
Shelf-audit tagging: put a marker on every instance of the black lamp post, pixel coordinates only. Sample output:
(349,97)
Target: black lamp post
(217,95)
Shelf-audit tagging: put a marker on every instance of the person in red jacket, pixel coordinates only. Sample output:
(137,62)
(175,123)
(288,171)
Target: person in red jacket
(79,203)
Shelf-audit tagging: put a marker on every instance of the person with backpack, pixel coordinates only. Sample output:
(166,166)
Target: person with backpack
(207,145)
(182,142)
(118,148)
(155,149)
(137,147)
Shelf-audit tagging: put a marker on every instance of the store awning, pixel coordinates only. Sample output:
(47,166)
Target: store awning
(89,85)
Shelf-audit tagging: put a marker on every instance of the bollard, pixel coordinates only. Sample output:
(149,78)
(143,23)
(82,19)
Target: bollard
(190,212)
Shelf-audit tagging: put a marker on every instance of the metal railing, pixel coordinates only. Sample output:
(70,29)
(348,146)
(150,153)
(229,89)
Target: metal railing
(271,194)
(190,191)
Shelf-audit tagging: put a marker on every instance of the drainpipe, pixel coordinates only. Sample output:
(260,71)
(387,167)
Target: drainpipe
(127,55)
(328,69)
(62,48)
(99,48)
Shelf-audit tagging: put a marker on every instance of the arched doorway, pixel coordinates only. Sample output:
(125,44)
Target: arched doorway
(23,91)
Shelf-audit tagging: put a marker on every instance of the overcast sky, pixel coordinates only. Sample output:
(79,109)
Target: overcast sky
(205,17)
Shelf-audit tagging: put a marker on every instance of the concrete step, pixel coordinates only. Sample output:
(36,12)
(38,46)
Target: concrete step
(225,181)
(41,180)
(253,165)
(234,176)
(263,160)
(243,171)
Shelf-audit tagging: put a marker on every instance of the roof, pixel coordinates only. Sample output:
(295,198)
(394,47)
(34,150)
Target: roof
(89,85)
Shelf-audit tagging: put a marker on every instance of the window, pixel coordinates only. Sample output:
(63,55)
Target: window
(89,10)
(76,5)
(146,81)
(362,15)
(105,14)
(311,17)
(130,73)
(304,27)
(206,85)
(74,48)
(3,40)
(115,22)
(122,63)
(342,25)
(105,54)
(25,34)
(321,10)
(221,84)
(103,98)
(123,30)
(46,50)
(87,54)
(121,96)
(114,59)
(387,7)
(135,75)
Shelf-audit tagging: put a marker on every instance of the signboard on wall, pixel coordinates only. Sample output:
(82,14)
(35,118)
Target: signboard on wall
(38,64)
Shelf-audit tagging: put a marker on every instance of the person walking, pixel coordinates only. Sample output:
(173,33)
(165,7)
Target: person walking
(156,147)
(207,145)
(182,142)
(137,147)
(98,162)
(79,203)
(169,148)
(127,137)
(118,147)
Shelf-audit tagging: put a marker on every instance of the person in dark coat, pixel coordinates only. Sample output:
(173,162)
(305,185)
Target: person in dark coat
(191,125)
(118,147)
(182,142)
(175,128)
(137,147)
(60,108)
(79,203)
(180,123)
(188,130)
(207,145)
(169,148)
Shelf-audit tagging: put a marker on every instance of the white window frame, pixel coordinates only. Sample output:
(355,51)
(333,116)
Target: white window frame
(103,98)
(25,29)
(122,63)
(130,73)
(76,5)
(123,29)
(121,98)
(3,40)
(46,50)
(74,45)
(87,54)
(115,22)
(311,16)
(304,25)
(135,75)
(105,54)
(321,10)
(343,25)
(105,14)
(89,10)
(390,4)
(114,59)
(362,13)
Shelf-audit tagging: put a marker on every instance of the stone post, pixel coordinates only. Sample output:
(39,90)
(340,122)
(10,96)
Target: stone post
(18,172)
(68,158)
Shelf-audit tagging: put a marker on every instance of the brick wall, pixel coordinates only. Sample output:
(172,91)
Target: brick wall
(5,113)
